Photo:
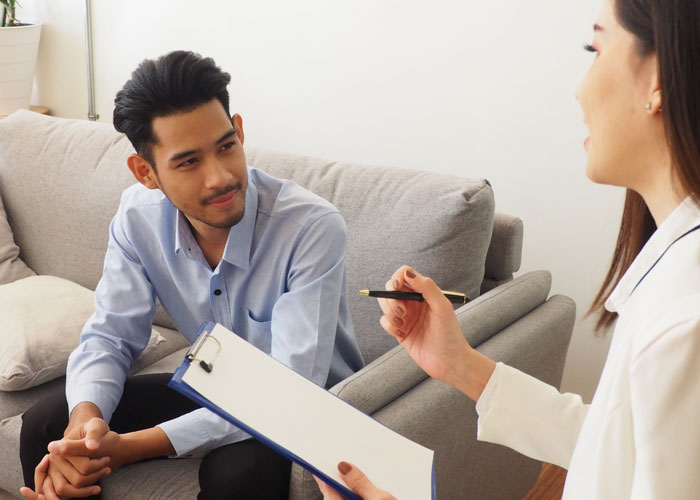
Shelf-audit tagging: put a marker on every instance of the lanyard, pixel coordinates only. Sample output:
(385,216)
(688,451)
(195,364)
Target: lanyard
(661,256)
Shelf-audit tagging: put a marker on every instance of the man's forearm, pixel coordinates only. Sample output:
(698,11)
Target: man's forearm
(146,443)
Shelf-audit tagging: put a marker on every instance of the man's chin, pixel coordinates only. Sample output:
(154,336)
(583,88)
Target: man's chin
(227,223)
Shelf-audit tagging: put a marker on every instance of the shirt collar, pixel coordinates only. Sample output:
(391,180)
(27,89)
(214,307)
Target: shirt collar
(683,218)
(240,237)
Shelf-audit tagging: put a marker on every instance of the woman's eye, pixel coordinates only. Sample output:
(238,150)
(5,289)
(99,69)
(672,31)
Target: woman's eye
(589,48)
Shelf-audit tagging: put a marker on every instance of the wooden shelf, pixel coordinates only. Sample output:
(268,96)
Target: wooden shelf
(37,109)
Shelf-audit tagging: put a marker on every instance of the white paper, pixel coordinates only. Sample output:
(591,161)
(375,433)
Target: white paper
(305,419)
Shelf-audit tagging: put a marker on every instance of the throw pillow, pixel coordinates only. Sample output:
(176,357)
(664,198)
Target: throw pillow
(42,318)
(11,266)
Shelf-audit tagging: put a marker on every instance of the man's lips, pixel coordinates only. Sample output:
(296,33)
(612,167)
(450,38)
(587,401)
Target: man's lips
(224,201)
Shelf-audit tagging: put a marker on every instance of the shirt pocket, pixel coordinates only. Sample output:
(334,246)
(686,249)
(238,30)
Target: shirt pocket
(259,333)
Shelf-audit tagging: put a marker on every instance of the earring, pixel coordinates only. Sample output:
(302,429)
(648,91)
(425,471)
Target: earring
(647,106)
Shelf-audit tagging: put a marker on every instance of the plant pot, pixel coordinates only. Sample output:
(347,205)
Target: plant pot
(19,46)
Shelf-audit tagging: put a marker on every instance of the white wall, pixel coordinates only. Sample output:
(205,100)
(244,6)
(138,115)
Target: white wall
(481,89)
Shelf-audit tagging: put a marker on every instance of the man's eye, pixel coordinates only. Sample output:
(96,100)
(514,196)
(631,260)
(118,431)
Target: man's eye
(188,163)
(228,146)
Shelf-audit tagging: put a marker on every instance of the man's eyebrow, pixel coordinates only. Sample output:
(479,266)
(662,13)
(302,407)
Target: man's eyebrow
(227,135)
(185,154)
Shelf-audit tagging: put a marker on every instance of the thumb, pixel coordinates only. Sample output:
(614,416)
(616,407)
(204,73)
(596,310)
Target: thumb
(426,287)
(328,492)
(357,481)
(95,429)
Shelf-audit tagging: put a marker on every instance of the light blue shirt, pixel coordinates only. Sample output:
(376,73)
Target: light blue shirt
(280,285)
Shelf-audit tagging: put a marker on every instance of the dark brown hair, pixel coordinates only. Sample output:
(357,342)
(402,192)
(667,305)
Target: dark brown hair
(671,29)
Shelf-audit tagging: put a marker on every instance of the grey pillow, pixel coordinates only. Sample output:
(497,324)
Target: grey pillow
(11,266)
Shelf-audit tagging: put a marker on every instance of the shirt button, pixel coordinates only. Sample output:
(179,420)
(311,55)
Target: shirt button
(217,292)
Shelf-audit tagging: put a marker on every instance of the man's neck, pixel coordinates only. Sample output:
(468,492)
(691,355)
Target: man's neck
(211,240)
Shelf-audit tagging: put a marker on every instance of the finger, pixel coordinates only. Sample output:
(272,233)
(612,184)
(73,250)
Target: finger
(49,491)
(358,482)
(95,430)
(75,476)
(63,487)
(29,494)
(40,473)
(328,492)
(71,447)
(427,287)
(392,329)
(86,466)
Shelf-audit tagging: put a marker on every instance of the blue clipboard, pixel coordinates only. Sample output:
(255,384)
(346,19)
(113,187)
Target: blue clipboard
(176,382)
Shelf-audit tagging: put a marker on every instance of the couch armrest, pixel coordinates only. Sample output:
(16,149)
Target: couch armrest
(505,251)
(394,373)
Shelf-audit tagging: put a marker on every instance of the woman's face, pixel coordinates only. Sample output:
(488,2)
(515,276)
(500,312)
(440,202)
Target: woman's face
(613,96)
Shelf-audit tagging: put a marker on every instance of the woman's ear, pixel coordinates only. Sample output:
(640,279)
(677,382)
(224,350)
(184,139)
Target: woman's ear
(143,171)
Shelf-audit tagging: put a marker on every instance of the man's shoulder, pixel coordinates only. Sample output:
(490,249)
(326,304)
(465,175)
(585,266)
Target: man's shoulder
(283,199)
(138,195)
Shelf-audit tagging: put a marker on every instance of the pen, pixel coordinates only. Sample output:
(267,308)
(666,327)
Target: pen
(454,297)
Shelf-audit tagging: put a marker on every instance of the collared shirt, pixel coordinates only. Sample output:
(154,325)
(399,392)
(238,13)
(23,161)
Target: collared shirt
(280,285)
(639,437)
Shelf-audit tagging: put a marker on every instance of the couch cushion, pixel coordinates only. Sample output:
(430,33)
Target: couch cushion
(439,224)
(11,266)
(42,320)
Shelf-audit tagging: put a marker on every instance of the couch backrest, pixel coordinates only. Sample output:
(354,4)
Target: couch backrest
(61,181)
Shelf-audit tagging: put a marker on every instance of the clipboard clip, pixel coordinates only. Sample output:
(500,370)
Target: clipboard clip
(191,355)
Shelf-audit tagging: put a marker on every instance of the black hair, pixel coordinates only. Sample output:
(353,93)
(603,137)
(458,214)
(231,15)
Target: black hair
(177,82)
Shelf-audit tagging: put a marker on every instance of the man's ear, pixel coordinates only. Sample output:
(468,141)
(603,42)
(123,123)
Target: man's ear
(238,126)
(143,171)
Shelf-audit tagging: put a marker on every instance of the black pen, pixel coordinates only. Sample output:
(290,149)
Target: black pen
(454,297)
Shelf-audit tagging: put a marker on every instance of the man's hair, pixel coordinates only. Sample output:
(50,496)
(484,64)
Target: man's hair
(174,83)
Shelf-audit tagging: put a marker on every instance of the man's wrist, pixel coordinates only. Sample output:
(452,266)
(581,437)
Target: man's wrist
(82,412)
(145,444)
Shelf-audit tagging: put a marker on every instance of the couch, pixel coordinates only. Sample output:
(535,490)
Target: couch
(60,182)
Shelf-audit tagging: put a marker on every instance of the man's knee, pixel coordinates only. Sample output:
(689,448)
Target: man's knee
(246,470)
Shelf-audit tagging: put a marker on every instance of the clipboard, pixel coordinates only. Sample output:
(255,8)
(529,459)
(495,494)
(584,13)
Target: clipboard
(298,419)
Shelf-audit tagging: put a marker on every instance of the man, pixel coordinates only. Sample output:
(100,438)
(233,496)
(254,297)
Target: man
(214,240)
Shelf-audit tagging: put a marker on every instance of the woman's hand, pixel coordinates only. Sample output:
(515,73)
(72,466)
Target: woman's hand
(357,482)
(430,333)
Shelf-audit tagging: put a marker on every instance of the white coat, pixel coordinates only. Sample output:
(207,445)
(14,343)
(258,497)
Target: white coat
(640,436)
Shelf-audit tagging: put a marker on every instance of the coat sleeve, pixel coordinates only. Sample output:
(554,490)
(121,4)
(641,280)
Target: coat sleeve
(531,417)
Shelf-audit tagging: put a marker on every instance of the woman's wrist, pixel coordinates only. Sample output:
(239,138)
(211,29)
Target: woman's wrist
(471,372)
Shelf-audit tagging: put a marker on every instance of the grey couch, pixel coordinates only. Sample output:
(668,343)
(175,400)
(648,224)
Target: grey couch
(60,181)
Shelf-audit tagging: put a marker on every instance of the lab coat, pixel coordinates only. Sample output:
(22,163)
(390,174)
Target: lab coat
(640,436)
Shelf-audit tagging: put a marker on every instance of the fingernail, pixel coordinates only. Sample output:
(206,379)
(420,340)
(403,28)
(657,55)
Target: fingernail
(52,446)
(396,284)
(96,491)
(400,333)
(92,443)
(410,274)
(397,321)
(344,467)
(399,311)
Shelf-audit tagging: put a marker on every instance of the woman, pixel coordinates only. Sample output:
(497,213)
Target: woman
(639,438)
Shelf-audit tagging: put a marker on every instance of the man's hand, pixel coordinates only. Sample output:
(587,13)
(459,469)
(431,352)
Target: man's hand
(73,475)
(44,486)
(357,482)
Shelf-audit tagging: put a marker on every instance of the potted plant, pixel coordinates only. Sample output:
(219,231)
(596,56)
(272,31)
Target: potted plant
(19,46)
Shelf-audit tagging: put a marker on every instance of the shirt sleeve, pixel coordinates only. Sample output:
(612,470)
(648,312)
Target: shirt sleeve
(118,331)
(303,325)
(533,418)
(665,397)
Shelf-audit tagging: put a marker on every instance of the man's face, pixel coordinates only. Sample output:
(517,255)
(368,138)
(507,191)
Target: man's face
(201,166)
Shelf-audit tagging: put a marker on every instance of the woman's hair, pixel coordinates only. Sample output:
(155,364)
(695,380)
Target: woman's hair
(177,82)
(671,29)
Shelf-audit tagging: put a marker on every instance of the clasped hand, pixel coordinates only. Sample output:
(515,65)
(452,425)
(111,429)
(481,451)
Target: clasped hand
(74,464)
